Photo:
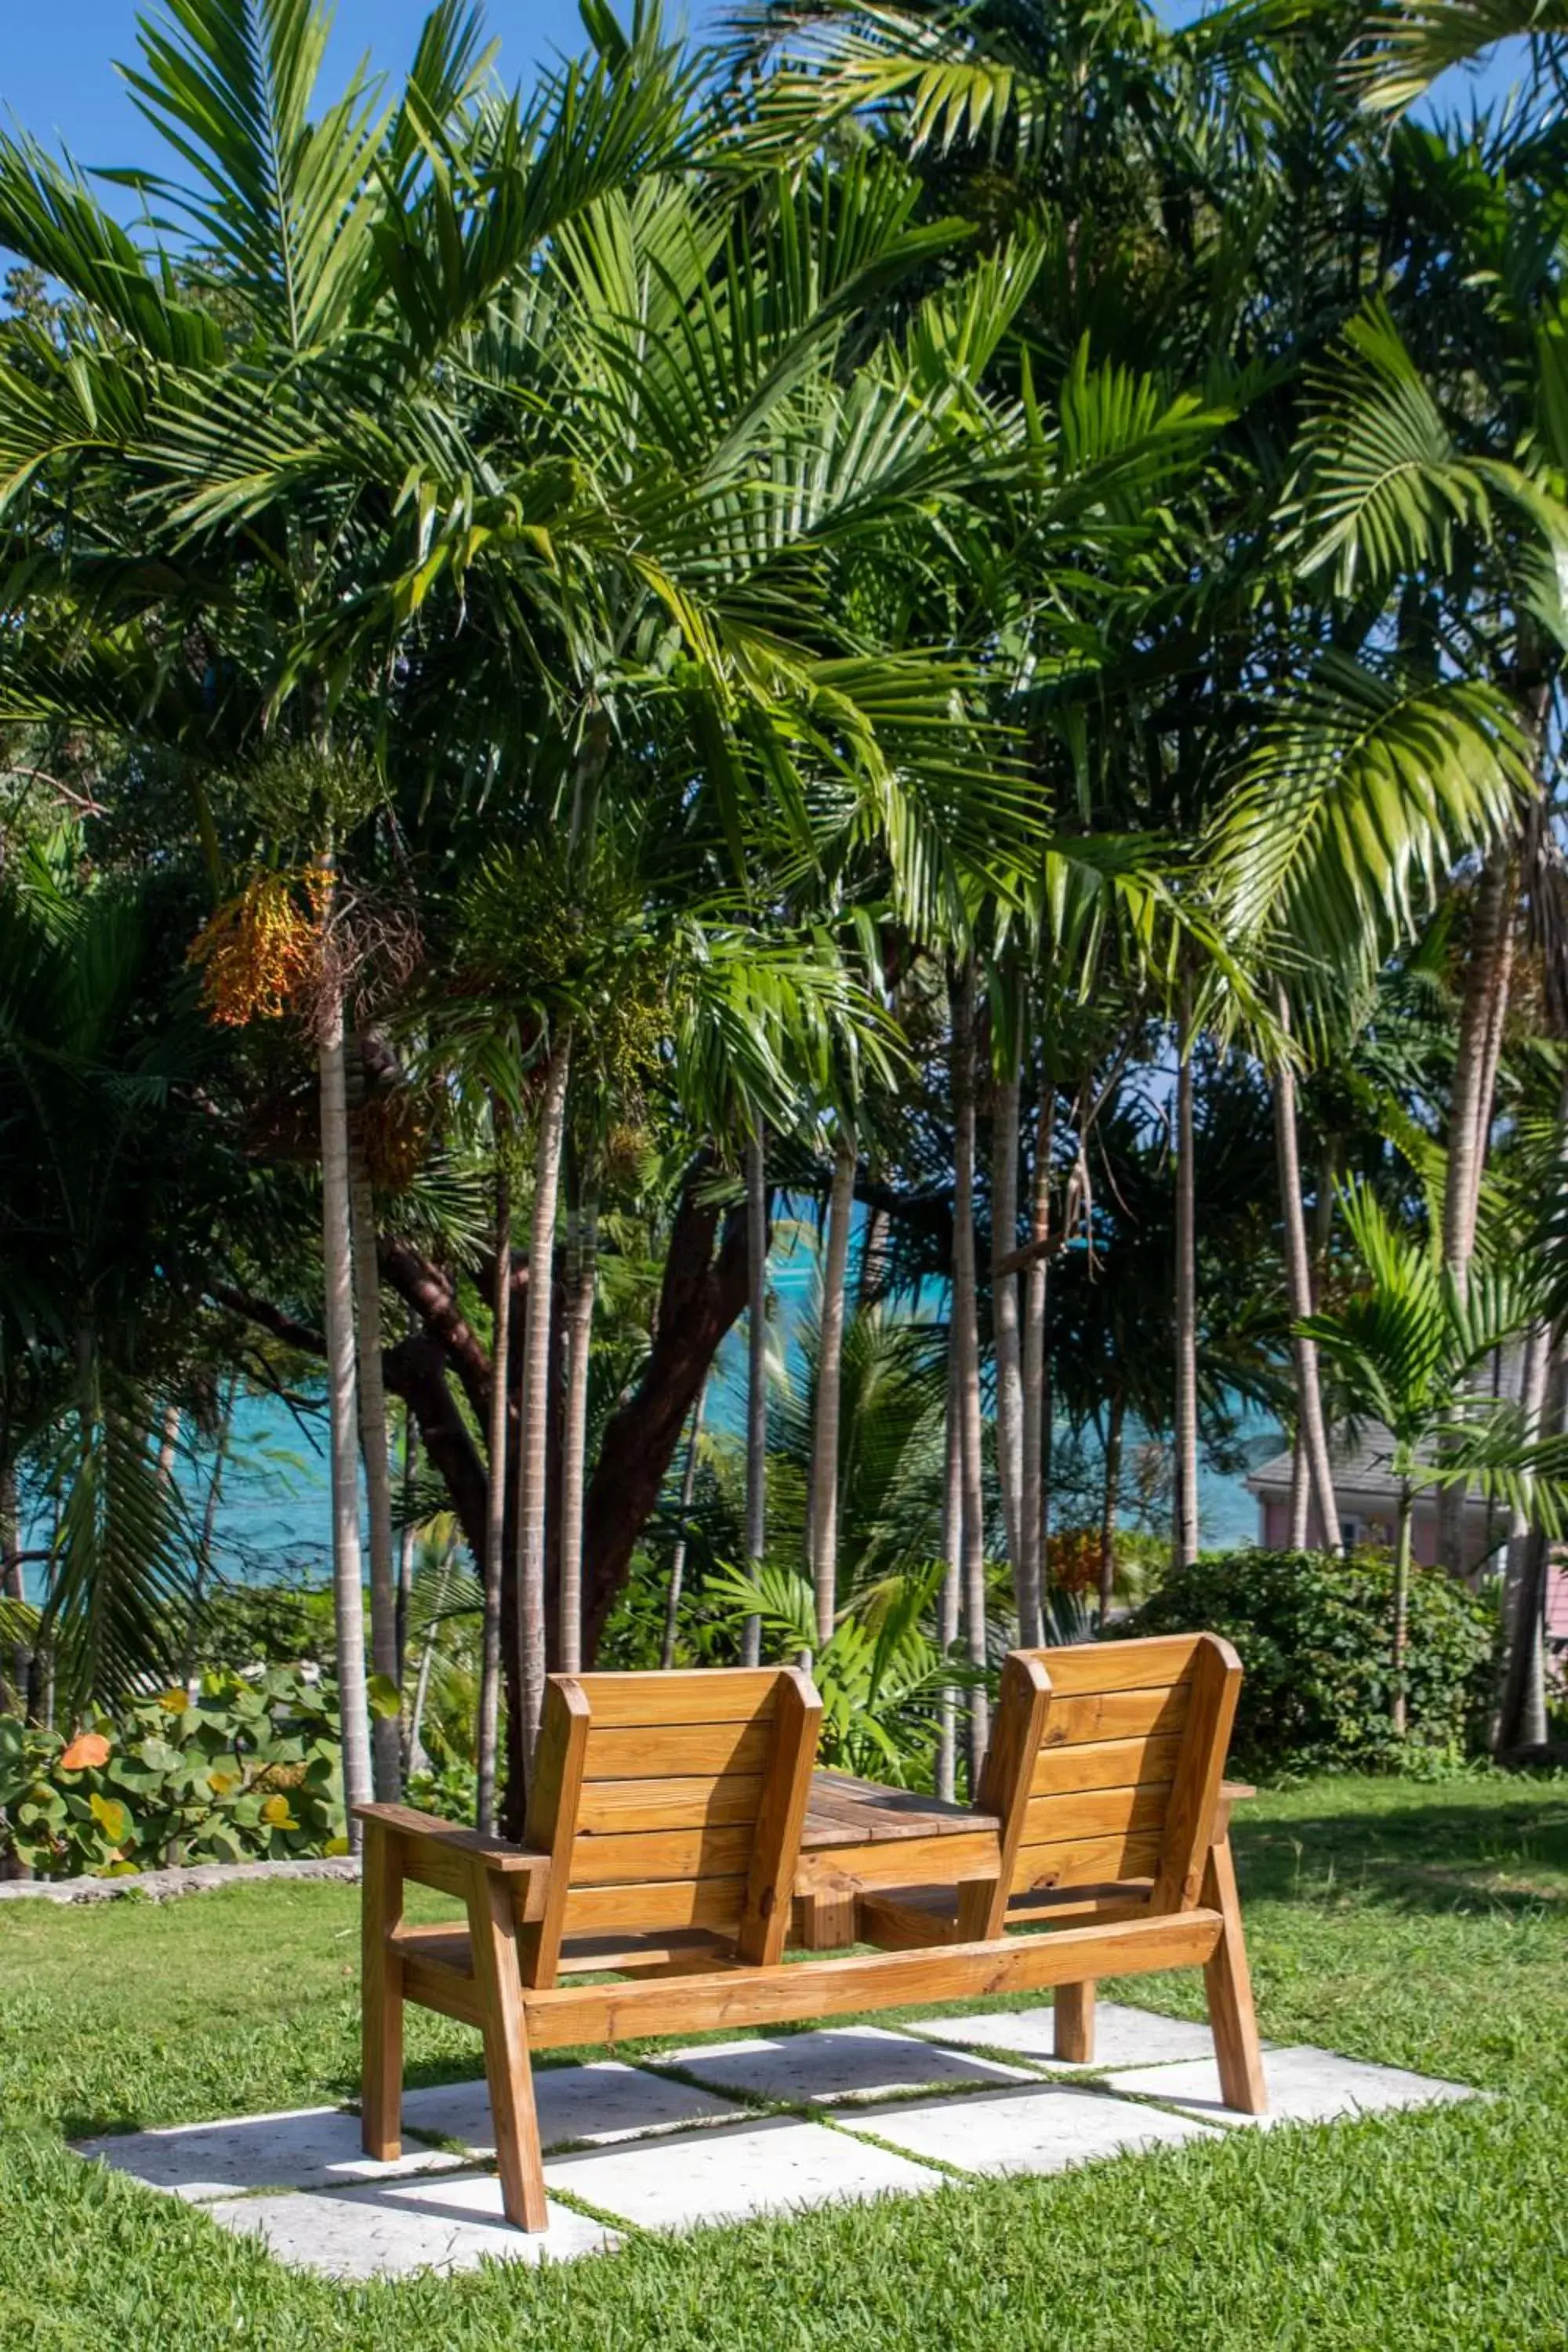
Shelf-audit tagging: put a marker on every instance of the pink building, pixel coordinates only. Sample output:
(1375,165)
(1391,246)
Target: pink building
(1369,1502)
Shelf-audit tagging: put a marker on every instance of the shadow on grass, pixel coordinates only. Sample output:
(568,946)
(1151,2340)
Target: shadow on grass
(1434,1856)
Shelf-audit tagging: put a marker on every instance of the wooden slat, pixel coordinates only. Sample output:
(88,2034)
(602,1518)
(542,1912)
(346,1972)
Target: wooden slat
(672,1903)
(621,1807)
(1023,1706)
(838,1986)
(633,1753)
(1118,1666)
(441,1989)
(774,1836)
(1095,1813)
(1113,1715)
(552,1821)
(720,1694)
(1189,1822)
(1105,1764)
(976,1855)
(1087,1862)
(723,1852)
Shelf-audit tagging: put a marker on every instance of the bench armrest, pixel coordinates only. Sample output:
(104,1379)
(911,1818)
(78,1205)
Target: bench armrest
(430,1830)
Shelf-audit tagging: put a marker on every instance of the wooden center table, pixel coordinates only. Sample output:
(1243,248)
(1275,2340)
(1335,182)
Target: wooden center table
(861,1834)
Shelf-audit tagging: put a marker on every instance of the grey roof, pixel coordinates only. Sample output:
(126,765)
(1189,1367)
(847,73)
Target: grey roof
(1361,1468)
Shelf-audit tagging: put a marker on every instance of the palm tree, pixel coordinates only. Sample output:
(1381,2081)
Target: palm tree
(1407,1350)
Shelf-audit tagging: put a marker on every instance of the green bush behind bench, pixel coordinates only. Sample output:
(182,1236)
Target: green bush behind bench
(1312,1631)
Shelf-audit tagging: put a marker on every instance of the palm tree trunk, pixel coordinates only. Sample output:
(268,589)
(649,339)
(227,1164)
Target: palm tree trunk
(386,1743)
(582,1281)
(1518,1574)
(1301,1491)
(1187,1515)
(533,1402)
(949,1601)
(1005,1337)
(677,1556)
(405,1542)
(1398,1714)
(12,1586)
(1032,1470)
(966,1341)
(824,1530)
(1523,1726)
(1111,1505)
(168,1444)
(1310,1422)
(337,1264)
(203,1566)
(488,1740)
(1482,1015)
(417,1759)
(756,1382)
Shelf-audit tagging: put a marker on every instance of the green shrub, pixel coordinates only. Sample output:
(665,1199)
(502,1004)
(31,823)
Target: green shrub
(1312,1633)
(247,1770)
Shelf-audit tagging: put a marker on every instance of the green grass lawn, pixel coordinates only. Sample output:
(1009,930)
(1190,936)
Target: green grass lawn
(1423,1925)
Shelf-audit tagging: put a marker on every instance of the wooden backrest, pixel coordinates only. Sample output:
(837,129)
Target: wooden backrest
(671,1801)
(1107,1761)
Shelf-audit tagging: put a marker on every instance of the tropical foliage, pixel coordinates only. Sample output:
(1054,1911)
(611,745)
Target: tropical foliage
(949,619)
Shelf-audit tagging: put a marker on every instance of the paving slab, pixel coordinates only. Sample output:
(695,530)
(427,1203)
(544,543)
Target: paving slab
(837,2063)
(774,2164)
(1040,2130)
(1304,2086)
(597,2104)
(394,2228)
(306,2147)
(1122,2036)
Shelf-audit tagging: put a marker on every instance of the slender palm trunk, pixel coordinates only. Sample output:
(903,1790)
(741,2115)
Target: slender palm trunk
(949,1598)
(406,1540)
(417,1759)
(1301,1491)
(824,1530)
(533,1402)
(1482,1012)
(873,1258)
(1310,1422)
(386,1741)
(677,1556)
(1523,1725)
(1110,1507)
(168,1445)
(582,1281)
(1005,1334)
(488,1740)
(337,1263)
(1032,1470)
(204,1565)
(966,1339)
(756,1382)
(1397,1713)
(12,1587)
(1186,1514)
(1517,1575)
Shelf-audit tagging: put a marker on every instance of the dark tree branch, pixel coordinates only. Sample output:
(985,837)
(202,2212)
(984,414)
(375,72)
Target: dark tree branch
(430,1293)
(702,1297)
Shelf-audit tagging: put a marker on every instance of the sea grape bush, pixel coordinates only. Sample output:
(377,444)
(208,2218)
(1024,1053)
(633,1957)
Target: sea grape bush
(1312,1633)
(248,1769)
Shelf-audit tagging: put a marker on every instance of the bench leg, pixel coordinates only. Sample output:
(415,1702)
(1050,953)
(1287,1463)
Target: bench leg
(1074,2042)
(1229,1984)
(381,1998)
(824,1923)
(493,1935)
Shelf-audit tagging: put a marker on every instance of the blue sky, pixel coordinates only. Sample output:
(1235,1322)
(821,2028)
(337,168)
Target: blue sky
(57,75)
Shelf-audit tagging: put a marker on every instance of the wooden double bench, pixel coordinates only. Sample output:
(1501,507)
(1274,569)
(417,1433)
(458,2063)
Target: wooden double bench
(676,1822)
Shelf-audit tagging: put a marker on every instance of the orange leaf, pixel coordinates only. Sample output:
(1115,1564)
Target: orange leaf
(89,1747)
